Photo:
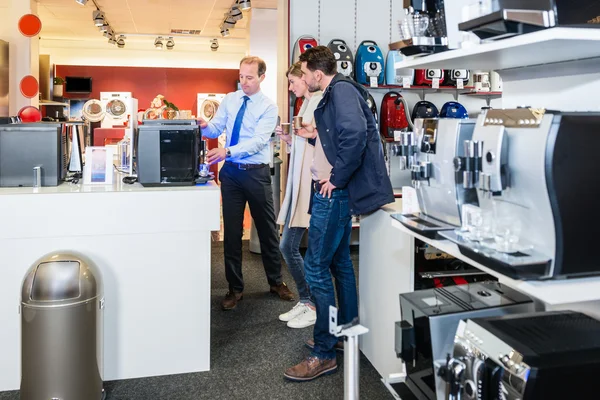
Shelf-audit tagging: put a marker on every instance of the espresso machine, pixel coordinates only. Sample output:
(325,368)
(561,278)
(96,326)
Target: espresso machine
(425,336)
(516,17)
(437,175)
(537,190)
(168,152)
(532,356)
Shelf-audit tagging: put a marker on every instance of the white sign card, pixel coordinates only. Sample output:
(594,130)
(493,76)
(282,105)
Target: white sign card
(98,169)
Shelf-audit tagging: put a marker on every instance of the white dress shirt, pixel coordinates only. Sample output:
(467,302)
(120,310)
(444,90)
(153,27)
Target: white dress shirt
(258,124)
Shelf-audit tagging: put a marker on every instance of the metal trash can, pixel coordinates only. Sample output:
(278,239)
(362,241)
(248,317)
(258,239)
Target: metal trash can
(62,304)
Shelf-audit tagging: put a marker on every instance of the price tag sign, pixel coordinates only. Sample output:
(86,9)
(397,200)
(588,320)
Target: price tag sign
(435,84)
(373,81)
(397,136)
(460,84)
(406,82)
(410,201)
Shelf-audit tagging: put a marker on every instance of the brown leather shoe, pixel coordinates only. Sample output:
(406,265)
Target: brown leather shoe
(339,346)
(230,301)
(311,368)
(283,292)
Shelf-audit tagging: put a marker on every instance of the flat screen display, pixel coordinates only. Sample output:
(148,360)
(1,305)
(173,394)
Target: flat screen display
(76,84)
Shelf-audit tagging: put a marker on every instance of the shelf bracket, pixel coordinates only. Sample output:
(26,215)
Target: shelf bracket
(422,94)
(488,100)
(456,95)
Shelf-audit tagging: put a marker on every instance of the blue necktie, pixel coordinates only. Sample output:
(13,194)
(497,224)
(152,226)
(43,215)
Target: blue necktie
(237,125)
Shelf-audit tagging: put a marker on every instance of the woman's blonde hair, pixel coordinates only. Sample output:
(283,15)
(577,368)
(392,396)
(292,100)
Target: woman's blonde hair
(295,70)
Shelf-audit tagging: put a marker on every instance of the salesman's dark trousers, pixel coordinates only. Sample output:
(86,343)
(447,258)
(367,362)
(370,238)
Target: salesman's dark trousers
(239,186)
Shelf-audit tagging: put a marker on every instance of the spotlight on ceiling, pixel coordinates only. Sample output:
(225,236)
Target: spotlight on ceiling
(104,27)
(245,5)
(229,21)
(109,33)
(170,43)
(82,2)
(112,40)
(98,17)
(120,41)
(158,43)
(214,44)
(235,13)
(224,31)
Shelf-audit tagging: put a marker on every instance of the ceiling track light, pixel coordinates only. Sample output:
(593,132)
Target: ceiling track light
(244,5)
(98,17)
(81,2)
(214,44)
(170,43)
(158,43)
(224,31)
(235,13)
(120,41)
(229,21)
(104,28)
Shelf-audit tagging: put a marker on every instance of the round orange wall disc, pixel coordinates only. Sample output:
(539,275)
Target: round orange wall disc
(29,86)
(30,25)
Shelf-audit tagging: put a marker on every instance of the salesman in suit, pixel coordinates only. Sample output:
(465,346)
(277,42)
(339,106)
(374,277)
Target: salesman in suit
(249,118)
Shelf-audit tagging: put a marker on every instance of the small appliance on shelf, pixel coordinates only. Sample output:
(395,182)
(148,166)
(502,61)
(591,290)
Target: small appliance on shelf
(422,30)
(515,17)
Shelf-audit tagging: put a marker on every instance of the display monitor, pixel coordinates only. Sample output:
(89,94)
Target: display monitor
(76,84)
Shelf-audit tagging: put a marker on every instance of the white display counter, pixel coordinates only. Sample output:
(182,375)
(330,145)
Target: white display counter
(152,246)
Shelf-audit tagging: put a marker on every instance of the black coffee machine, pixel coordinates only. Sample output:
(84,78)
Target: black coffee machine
(168,152)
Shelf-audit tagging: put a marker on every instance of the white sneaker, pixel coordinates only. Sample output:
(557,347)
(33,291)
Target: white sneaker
(307,318)
(293,313)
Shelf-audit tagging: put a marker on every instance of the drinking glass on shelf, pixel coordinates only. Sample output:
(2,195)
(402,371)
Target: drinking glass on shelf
(507,228)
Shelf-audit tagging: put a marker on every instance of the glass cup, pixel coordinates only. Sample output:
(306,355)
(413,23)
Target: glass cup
(204,170)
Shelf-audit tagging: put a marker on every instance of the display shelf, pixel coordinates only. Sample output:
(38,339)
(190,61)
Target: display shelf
(53,103)
(548,46)
(571,290)
(422,91)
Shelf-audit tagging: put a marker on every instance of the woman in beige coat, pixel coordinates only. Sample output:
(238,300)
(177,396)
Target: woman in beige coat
(294,210)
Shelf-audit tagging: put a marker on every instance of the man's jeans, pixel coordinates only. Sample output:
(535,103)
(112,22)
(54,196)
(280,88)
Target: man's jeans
(328,255)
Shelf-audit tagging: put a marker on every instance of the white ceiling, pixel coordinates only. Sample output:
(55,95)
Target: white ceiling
(66,19)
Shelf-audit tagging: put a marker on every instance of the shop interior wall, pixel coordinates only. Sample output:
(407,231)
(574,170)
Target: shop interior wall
(263,29)
(375,20)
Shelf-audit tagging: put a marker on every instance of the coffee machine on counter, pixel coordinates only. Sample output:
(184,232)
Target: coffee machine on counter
(440,189)
(533,356)
(168,152)
(516,17)
(425,336)
(537,189)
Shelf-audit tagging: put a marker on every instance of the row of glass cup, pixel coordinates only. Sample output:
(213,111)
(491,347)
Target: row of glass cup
(497,229)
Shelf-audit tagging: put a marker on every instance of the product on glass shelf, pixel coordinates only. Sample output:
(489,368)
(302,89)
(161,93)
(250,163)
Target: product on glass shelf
(369,63)
(343,56)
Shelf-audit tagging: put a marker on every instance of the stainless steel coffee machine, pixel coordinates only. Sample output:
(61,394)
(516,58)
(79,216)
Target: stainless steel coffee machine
(425,336)
(437,175)
(537,189)
(534,356)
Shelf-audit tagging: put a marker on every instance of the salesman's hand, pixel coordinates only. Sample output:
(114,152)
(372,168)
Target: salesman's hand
(326,188)
(215,155)
(202,123)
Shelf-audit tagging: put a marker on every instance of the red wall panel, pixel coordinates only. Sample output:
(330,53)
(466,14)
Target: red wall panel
(180,86)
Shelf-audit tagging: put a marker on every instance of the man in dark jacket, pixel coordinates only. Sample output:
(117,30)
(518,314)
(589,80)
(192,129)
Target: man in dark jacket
(350,179)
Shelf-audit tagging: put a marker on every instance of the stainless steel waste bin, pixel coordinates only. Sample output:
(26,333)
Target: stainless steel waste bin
(61,329)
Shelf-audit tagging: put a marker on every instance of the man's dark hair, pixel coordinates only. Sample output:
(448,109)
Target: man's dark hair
(320,58)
